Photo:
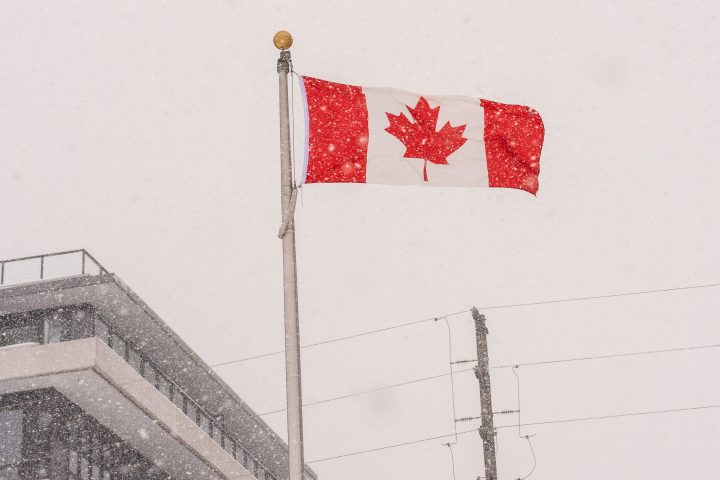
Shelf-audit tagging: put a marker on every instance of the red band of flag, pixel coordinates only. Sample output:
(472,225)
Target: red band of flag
(337,130)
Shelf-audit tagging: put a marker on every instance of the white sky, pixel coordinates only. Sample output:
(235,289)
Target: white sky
(146,132)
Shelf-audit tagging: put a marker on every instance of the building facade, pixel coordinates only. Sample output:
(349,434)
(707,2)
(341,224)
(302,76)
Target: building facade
(95,386)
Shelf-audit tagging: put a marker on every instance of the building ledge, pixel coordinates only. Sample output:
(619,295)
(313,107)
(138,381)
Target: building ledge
(95,378)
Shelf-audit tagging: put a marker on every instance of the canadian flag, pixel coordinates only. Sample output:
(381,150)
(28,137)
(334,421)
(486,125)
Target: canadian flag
(383,135)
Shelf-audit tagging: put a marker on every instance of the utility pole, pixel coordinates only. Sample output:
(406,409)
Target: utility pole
(482,372)
(288,195)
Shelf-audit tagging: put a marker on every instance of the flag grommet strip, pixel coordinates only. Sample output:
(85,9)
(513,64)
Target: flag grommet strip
(301,82)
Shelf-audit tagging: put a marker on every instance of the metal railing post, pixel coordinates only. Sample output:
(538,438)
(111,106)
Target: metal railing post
(27,262)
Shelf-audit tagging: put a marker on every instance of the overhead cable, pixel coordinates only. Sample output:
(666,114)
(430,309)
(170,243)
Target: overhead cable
(546,422)
(464,370)
(491,307)
(599,297)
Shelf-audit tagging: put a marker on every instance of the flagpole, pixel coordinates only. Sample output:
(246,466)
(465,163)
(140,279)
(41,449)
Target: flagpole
(283,41)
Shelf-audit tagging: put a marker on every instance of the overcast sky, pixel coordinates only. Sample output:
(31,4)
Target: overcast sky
(147,132)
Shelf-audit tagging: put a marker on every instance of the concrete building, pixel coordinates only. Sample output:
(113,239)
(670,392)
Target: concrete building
(95,386)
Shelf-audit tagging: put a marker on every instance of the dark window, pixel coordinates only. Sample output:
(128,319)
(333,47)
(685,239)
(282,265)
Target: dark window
(86,450)
(163,385)
(134,358)
(178,399)
(84,468)
(119,345)
(150,374)
(216,433)
(191,410)
(204,422)
(102,331)
(9,473)
(73,462)
(11,434)
(68,323)
(15,333)
(58,327)
(229,445)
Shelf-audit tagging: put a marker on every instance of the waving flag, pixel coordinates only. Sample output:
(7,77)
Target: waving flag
(383,135)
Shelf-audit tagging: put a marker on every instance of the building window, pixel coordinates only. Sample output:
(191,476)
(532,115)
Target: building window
(73,462)
(204,422)
(84,468)
(134,359)
(119,345)
(150,374)
(163,385)
(229,445)
(178,398)
(102,331)
(86,450)
(68,323)
(11,435)
(57,328)
(9,473)
(216,433)
(191,410)
(15,333)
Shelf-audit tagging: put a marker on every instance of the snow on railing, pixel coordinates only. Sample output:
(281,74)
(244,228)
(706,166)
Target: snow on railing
(47,266)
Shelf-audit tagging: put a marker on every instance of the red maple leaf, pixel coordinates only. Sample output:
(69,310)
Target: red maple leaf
(420,138)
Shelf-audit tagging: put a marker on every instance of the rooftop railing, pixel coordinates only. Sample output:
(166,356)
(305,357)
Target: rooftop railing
(201,417)
(48,266)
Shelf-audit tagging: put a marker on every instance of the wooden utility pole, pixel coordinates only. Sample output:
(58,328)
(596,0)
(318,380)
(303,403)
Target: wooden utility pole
(482,372)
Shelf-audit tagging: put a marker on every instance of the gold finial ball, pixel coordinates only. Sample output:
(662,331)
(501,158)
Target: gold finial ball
(282,40)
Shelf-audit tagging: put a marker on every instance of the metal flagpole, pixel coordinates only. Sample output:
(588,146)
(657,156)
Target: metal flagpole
(288,195)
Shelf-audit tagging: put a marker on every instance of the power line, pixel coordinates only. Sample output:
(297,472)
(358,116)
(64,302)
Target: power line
(452,456)
(532,451)
(599,297)
(452,386)
(526,436)
(386,447)
(491,307)
(339,339)
(546,422)
(364,392)
(601,357)
(619,415)
(545,362)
